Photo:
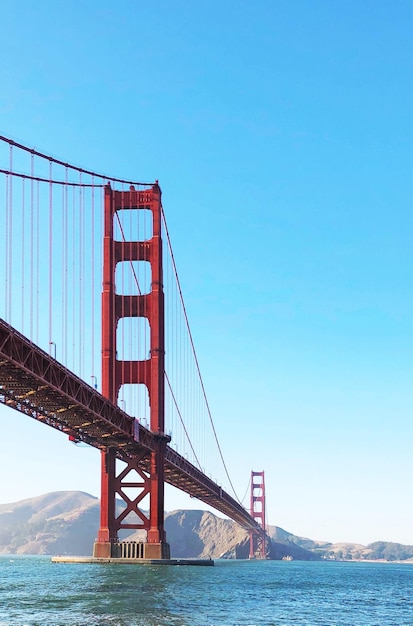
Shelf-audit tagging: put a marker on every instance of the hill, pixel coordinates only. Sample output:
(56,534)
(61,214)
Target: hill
(63,522)
(66,522)
(377,551)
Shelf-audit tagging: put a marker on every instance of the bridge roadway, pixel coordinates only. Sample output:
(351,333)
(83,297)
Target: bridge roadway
(34,383)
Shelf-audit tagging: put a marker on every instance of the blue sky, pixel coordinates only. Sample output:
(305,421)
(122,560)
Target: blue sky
(281,133)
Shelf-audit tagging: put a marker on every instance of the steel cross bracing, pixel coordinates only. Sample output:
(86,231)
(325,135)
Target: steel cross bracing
(34,383)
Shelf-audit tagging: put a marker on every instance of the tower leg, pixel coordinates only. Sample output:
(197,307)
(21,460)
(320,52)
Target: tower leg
(107,534)
(157,547)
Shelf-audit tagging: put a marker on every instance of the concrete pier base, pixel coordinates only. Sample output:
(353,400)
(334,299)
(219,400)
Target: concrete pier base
(127,561)
(131,553)
(131,550)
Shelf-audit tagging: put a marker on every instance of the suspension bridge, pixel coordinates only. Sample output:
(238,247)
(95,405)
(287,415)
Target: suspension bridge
(95,342)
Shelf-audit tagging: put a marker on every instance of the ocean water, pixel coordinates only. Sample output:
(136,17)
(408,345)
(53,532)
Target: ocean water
(34,591)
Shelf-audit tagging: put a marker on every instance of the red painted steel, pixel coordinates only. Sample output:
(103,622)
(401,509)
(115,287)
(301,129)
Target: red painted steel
(149,372)
(258,540)
(34,383)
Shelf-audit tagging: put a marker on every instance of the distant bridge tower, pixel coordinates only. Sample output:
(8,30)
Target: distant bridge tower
(148,372)
(258,541)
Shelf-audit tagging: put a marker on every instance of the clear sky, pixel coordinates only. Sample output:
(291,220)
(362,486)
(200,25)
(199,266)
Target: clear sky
(281,133)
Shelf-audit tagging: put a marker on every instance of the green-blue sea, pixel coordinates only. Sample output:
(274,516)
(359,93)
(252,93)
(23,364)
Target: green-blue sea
(34,591)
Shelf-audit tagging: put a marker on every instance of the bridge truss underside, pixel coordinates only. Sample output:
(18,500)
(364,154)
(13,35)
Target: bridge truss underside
(34,383)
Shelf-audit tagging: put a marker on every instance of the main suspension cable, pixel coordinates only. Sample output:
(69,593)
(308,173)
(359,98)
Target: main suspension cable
(49,158)
(195,356)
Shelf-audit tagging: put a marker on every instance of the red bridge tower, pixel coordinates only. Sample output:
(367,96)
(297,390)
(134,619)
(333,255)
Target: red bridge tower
(149,372)
(258,541)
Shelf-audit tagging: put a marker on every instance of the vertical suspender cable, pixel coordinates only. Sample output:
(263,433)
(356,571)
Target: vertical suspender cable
(81,276)
(93,281)
(65,222)
(10,242)
(73,278)
(51,257)
(6,250)
(31,245)
(23,270)
(37,240)
(62,277)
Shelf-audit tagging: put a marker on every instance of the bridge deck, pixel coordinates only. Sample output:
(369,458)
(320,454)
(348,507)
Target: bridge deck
(34,383)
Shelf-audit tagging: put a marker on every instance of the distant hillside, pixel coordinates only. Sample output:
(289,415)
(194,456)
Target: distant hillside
(66,522)
(62,522)
(379,550)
